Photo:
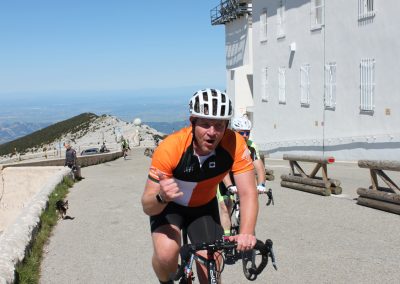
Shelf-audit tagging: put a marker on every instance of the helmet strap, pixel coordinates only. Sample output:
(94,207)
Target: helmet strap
(193,123)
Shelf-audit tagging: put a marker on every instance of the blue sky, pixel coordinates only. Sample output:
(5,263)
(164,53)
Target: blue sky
(50,46)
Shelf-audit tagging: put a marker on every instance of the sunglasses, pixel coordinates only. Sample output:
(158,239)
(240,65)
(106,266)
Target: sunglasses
(245,132)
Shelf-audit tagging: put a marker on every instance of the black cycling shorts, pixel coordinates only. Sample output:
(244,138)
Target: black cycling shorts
(202,222)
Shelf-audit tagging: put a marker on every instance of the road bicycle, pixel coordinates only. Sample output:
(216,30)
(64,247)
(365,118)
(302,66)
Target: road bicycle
(189,256)
(253,261)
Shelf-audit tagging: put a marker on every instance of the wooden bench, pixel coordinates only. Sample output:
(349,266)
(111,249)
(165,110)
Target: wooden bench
(300,180)
(383,198)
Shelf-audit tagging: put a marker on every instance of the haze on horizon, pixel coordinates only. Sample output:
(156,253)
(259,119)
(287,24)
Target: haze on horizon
(62,58)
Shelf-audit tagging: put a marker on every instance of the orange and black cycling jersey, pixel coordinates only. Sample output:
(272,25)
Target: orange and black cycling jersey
(174,157)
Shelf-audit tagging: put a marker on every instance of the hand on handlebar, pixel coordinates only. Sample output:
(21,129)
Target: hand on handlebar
(244,241)
(232,189)
(261,188)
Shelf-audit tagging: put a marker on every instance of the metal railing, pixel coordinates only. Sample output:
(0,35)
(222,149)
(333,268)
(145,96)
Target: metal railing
(229,10)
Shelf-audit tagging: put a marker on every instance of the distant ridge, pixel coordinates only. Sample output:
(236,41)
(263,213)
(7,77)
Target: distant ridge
(13,130)
(76,124)
(168,127)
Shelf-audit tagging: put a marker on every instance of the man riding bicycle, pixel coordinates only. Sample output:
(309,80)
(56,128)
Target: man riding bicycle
(241,125)
(183,179)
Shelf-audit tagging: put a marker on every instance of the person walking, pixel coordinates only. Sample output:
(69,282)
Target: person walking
(71,160)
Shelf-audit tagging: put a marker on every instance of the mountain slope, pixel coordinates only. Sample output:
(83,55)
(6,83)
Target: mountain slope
(84,130)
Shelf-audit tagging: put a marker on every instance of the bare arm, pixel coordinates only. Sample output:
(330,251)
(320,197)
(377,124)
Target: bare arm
(260,171)
(248,210)
(248,201)
(227,180)
(149,201)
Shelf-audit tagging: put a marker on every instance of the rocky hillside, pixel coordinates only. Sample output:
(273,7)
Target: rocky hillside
(86,130)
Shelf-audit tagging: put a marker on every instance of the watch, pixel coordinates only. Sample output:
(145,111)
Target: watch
(160,199)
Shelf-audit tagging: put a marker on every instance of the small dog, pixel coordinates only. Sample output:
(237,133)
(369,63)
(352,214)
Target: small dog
(62,207)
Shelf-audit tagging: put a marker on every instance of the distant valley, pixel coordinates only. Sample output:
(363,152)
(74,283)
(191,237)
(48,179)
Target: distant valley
(12,130)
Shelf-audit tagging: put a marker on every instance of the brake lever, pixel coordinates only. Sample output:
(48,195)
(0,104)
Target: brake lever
(270,197)
(271,253)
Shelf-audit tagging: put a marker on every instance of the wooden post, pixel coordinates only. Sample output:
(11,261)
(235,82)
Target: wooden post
(308,188)
(374,179)
(378,204)
(379,195)
(310,183)
(269,174)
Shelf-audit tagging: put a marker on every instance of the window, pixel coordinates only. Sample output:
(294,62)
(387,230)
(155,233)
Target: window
(282,85)
(305,85)
(365,9)
(317,14)
(263,26)
(367,84)
(330,85)
(264,84)
(280,16)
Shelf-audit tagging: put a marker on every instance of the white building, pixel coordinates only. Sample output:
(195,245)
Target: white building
(316,76)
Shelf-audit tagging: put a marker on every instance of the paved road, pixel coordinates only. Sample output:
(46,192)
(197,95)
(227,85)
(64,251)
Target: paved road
(317,239)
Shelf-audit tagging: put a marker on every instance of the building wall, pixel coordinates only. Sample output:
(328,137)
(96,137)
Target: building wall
(345,131)
(239,63)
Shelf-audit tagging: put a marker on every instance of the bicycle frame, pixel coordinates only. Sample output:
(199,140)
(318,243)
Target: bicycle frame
(189,255)
(209,262)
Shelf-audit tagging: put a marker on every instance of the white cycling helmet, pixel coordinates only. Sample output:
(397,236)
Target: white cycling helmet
(211,103)
(241,123)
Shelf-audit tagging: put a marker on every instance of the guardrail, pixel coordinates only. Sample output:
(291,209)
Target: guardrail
(55,153)
(300,180)
(83,161)
(376,196)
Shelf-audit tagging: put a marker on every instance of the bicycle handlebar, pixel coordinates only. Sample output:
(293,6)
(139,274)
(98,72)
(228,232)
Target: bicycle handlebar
(265,250)
(267,192)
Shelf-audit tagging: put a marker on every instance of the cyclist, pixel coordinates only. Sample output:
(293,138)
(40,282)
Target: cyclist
(241,125)
(183,178)
(125,147)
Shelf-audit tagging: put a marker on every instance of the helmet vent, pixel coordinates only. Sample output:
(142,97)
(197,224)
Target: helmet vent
(197,105)
(215,107)
(223,98)
(205,109)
